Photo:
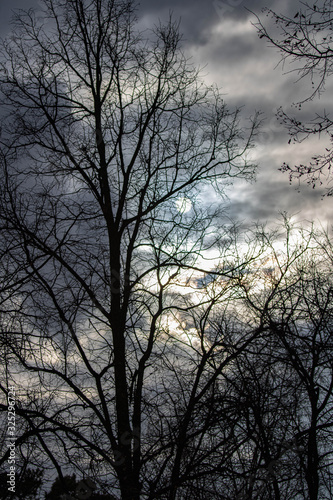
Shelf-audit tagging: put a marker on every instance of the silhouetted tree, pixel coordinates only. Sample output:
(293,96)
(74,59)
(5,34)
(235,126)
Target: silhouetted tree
(293,429)
(108,146)
(67,485)
(28,484)
(306,39)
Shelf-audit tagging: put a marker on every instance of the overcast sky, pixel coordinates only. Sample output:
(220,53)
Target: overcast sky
(218,35)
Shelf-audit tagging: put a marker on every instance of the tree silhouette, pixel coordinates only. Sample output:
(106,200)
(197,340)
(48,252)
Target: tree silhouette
(105,133)
(289,373)
(28,484)
(306,39)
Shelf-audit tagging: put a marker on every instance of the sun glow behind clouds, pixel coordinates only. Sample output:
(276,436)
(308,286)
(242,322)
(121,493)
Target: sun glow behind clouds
(183,205)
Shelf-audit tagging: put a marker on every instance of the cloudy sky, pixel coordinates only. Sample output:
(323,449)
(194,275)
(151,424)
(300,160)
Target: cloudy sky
(219,36)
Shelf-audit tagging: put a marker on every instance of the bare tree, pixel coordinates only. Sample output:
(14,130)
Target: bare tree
(306,40)
(109,143)
(296,302)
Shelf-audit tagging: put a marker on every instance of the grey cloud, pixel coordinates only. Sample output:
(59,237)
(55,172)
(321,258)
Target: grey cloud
(264,201)
(197,16)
